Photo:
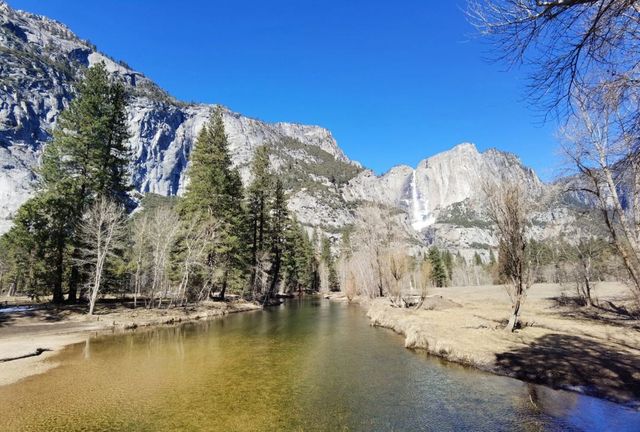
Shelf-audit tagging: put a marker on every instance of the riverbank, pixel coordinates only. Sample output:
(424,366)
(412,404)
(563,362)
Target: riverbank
(595,351)
(44,330)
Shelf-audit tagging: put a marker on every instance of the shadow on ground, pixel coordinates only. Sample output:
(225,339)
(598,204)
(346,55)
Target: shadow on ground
(46,314)
(559,360)
(605,312)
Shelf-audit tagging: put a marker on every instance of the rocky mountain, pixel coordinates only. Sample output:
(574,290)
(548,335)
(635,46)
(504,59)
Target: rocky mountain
(41,59)
(443,197)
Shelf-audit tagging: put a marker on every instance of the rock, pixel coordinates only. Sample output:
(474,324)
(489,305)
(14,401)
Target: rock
(41,60)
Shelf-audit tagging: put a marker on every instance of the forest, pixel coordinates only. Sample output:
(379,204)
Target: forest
(83,235)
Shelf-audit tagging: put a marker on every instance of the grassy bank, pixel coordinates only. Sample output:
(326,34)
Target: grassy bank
(594,351)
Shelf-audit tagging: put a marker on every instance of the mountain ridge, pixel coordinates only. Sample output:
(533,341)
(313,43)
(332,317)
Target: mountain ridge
(42,59)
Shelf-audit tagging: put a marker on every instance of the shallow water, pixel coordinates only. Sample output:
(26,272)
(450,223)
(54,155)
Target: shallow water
(308,365)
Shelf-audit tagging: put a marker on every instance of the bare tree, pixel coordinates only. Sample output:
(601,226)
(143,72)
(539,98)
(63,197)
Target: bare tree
(607,159)
(100,231)
(408,279)
(396,269)
(261,273)
(349,286)
(583,46)
(195,242)
(377,262)
(420,280)
(508,208)
(582,258)
(163,230)
(140,250)
(359,272)
(587,251)
(376,230)
(586,54)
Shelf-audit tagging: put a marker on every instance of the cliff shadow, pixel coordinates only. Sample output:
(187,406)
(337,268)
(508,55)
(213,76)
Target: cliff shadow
(562,361)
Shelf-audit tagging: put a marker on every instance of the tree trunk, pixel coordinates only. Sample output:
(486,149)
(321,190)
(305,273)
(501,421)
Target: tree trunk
(515,315)
(587,292)
(92,302)
(261,229)
(380,283)
(58,297)
(275,277)
(73,282)
(225,280)
(254,254)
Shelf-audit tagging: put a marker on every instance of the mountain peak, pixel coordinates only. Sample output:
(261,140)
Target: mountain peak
(464,146)
(42,60)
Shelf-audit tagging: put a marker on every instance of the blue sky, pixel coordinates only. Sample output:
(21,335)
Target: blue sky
(394,81)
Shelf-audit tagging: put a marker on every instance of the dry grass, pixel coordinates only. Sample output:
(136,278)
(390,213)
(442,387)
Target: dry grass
(562,344)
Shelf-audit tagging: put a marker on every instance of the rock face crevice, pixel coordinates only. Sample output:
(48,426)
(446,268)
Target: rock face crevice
(41,60)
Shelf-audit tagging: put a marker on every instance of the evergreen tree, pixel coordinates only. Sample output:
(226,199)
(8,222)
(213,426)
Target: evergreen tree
(477,259)
(277,234)
(329,262)
(345,245)
(258,197)
(438,272)
(314,262)
(447,260)
(26,253)
(87,158)
(214,192)
(297,258)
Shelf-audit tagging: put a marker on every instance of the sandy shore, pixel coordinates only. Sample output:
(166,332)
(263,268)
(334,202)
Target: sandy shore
(595,351)
(23,330)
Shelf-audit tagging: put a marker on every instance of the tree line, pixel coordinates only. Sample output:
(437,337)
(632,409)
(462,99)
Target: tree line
(82,235)
(379,259)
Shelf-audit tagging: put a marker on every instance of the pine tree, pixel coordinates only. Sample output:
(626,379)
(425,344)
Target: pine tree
(258,197)
(477,259)
(87,158)
(277,234)
(25,250)
(314,261)
(447,260)
(438,272)
(294,257)
(215,192)
(329,262)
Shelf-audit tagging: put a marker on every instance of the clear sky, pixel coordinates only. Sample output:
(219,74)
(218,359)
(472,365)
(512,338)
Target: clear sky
(395,82)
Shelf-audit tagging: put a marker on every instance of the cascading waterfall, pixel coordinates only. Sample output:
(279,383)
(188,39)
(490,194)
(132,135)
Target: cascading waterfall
(420,218)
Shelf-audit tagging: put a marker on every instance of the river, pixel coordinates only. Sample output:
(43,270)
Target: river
(308,365)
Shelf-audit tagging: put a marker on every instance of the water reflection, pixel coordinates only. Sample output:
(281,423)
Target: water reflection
(311,365)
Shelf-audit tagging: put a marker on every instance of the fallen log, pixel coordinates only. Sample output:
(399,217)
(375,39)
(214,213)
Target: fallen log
(37,352)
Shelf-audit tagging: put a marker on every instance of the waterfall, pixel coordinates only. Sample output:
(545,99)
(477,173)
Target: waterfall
(420,218)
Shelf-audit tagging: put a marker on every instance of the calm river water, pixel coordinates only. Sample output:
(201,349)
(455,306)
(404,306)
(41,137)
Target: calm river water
(307,365)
